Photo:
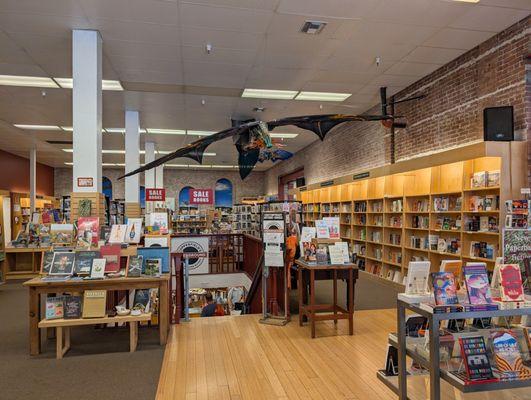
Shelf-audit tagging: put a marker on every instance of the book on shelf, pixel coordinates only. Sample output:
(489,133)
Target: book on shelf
(441,308)
(94,302)
(508,356)
(72,307)
(97,270)
(493,178)
(455,267)
(444,288)
(475,357)
(479,180)
(477,283)
(517,206)
(482,249)
(54,307)
(511,282)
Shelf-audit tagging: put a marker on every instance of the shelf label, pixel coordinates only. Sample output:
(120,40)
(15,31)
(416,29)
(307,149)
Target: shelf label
(327,183)
(361,175)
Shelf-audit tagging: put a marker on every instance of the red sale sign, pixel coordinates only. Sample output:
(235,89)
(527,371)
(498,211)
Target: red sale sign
(155,194)
(201,196)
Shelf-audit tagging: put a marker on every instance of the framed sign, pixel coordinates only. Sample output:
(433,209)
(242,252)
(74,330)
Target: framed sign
(517,250)
(198,247)
(85,182)
(201,196)
(155,194)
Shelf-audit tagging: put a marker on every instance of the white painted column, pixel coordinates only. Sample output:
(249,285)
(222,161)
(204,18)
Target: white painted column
(33,178)
(132,156)
(86,108)
(149,176)
(159,177)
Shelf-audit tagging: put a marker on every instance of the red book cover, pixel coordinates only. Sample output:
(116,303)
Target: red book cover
(111,253)
(88,230)
(511,283)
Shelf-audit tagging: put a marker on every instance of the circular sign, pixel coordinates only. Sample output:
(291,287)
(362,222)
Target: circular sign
(192,247)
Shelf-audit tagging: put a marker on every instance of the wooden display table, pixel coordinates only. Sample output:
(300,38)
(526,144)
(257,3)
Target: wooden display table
(60,324)
(37,288)
(311,309)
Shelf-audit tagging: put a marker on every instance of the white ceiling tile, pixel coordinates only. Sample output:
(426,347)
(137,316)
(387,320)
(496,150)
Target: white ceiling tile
(251,4)
(483,18)
(142,75)
(48,7)
(277,78)
(331,87)
(216,75)
(393,80)
(393,33)
(21,69)
(220,38)
(157,12)
(412,69)
(136,32)
(343,76)
(234,19)
(218,55)
(42,24)
(290,24)
(521,4)
(433,55)
(457,39)
(330,8)
(158,51)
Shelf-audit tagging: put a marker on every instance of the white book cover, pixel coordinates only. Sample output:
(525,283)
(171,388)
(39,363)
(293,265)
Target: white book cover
(417,277)
(117,234)
(336,254)
(322,229)
(333,226)
(307,234)
(159,220)
(98,268)
(134,230)
(344,249)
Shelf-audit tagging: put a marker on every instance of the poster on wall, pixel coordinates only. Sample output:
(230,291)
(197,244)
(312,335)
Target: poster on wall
(516,250)
(193,245)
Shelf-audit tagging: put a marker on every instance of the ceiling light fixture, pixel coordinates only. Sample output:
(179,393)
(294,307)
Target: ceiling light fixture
(283,135)
(69,163)
(157,131)
(27,81)
(176,165)
(71,129)
(322,96)
(467,1)
(38,127)
(106,84)
(269,94)
(259,109)
(200,166)
(200,133)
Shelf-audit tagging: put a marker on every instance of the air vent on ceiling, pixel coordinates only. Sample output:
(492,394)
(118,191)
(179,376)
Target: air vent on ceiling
(59,141)
(313,27)
(259,109)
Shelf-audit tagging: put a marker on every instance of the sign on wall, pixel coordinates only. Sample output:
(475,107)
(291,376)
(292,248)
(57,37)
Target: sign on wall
(198,244)
(155,194)
(85,182)
(201,196)
(517,250)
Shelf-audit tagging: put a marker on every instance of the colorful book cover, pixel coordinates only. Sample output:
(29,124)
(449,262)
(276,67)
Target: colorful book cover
(477,283)
(444,288)
(88,229)
(111,253)
(134,230)
(511,283)
(54,307)
(507,356)
(475,358)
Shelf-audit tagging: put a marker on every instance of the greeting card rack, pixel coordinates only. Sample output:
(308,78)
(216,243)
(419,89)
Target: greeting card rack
(432,363)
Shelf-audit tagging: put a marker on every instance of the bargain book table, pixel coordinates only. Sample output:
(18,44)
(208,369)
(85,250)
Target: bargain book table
(37,288)
(333,311)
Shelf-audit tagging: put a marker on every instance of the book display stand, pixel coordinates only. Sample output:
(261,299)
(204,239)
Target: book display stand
(432,360)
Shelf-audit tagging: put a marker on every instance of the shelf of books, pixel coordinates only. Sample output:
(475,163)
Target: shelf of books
(449,211)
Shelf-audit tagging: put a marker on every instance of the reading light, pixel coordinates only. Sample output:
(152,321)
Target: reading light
(269,94)
(106,84)
(322,96)
(27,81)
(166,131)
(38,127)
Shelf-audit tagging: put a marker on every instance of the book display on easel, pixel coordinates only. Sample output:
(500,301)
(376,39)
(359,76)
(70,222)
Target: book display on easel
(450,211)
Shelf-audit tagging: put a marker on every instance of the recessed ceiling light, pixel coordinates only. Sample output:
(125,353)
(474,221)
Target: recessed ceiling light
(68,83)
(157,131)
(38,127)
(269,94)
(283,135)
(322,96)
(29,81)
(200,133)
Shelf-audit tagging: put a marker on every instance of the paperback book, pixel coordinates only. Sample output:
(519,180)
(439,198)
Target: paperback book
(507,356)
(134,266)
(72,307)
(62,263)
(97,270)
(511,283)
(83,262)
(444,288)
(417,277)
(475,358)
(134,230)
(88,231)
(477,283)
(111,253)
(54,307)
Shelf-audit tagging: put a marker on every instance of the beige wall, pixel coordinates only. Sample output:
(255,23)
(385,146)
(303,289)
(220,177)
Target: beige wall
(174,181)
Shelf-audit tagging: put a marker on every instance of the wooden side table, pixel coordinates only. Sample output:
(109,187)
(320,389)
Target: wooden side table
(334,311)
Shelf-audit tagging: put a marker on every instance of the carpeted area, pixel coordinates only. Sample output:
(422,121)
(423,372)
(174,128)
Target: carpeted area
(98,366)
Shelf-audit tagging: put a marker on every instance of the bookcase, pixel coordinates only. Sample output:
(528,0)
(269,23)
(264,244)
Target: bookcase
(431,213)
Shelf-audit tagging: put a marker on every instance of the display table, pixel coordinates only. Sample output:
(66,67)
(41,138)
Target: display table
(37,288)
(311,309)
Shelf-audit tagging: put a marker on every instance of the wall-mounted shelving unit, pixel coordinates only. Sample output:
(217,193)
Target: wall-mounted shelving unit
(421,214)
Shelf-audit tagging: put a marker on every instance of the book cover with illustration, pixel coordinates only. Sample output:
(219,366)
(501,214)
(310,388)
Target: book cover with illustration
(477,283)
(444,288)
(507,356)
(511,283)
(88,230)
(475,358)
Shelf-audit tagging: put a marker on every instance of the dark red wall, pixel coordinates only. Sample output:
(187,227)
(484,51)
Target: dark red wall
(14,175)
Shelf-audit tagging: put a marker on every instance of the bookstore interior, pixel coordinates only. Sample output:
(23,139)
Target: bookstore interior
(359,228)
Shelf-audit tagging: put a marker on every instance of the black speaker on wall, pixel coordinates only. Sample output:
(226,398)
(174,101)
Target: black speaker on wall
(300,182)
(498,124)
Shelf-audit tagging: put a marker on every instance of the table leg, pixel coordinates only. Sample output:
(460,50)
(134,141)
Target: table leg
(163,312)
(59,342)
(34,315)
(335,296)
(401,330)
(300,284)
(351,302)
(312,301)
(133,335)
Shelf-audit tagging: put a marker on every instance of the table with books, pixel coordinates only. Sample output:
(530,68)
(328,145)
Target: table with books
(39,287)
(326,312)
(473,334)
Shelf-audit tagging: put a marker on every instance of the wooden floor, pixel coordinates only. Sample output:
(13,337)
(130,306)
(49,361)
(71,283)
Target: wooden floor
(239,358)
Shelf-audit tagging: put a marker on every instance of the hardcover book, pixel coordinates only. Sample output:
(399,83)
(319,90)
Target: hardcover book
(141,300)
(46,262)
(134,230)
(477,283)
(153,267)
(111,253)
(117,235)
(134,266)
(94,302)
(72,307)
(323,231)
(444,288)
(333,226)
(475,358)
(321,255)
(417,277)
(455,267)
(62,263)
(97,270)
(511,283)
(493,178)
(54,307)
(479,179)
(507,356)
(88,231)
(83,262)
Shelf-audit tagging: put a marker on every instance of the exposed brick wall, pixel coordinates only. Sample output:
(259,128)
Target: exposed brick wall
(174,181)
(451,115)
(528,114)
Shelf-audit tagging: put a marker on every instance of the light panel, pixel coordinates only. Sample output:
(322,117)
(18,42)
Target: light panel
(200,133)
(283,135)
(38,127)
(106,84)
(322,96)
(176,165)
(157,131)
(71,129)
(69,163)
(269,94)
(27,81)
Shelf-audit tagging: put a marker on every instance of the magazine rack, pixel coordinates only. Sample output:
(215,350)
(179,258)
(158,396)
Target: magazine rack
(432,363)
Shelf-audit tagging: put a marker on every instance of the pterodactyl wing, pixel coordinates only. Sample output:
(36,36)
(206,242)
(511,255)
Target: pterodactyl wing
(194,150)
(322,124)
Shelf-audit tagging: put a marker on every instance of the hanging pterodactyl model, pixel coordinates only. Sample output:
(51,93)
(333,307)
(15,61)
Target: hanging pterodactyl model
(254,144)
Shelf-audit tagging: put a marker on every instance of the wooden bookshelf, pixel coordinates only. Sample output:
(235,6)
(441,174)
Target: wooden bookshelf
(399,213)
